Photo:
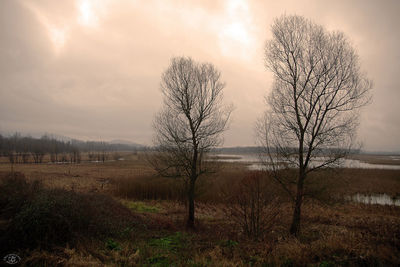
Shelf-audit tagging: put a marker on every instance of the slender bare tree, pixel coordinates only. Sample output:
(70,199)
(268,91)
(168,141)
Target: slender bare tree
(190,123)
(316,95)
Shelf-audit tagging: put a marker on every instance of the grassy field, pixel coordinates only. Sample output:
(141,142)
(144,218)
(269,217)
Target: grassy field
(121,213)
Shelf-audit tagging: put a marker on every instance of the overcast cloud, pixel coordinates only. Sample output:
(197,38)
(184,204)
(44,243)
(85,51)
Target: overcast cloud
(91,69)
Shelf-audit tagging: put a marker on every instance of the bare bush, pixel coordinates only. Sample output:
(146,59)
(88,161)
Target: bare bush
(253,206)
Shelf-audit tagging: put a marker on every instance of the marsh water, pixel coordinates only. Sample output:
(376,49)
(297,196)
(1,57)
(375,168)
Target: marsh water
(380,199)
(254,162)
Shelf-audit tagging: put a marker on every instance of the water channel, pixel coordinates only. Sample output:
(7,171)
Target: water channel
(255,163)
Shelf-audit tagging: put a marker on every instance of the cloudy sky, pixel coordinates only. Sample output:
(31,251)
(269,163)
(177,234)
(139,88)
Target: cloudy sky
(91,69)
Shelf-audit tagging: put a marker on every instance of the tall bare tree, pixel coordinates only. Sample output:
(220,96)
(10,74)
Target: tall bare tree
(190,123)
(316,94)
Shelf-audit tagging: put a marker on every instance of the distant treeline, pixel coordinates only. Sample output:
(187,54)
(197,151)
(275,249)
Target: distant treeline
(289,150)
(25,149)
(239,150)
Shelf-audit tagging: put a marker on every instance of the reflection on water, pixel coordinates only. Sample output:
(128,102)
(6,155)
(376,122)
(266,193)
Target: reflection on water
(380,199)
(255,162)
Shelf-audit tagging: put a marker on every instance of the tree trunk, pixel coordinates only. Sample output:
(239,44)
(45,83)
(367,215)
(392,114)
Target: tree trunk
(193,176)
(190,221)
(295,227)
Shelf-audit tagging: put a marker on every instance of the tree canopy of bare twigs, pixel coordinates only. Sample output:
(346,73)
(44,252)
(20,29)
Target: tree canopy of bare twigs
(317,92)
(190,122)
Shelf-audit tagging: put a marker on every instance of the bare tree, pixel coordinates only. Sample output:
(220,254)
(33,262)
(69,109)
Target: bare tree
(316,94)
(190,123)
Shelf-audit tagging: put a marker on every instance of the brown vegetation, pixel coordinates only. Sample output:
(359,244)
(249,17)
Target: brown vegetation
(333,233)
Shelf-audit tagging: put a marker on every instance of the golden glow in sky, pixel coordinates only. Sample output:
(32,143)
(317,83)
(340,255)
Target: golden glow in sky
(93,54)
(232,27)
(58,36)
(87,16)
(57,32)
(235,37)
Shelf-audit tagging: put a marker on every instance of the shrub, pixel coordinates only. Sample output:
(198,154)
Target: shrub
(15,191)
(56,217)
(253,206)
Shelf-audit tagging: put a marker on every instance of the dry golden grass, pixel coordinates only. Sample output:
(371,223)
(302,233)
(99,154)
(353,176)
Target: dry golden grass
(87,176)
